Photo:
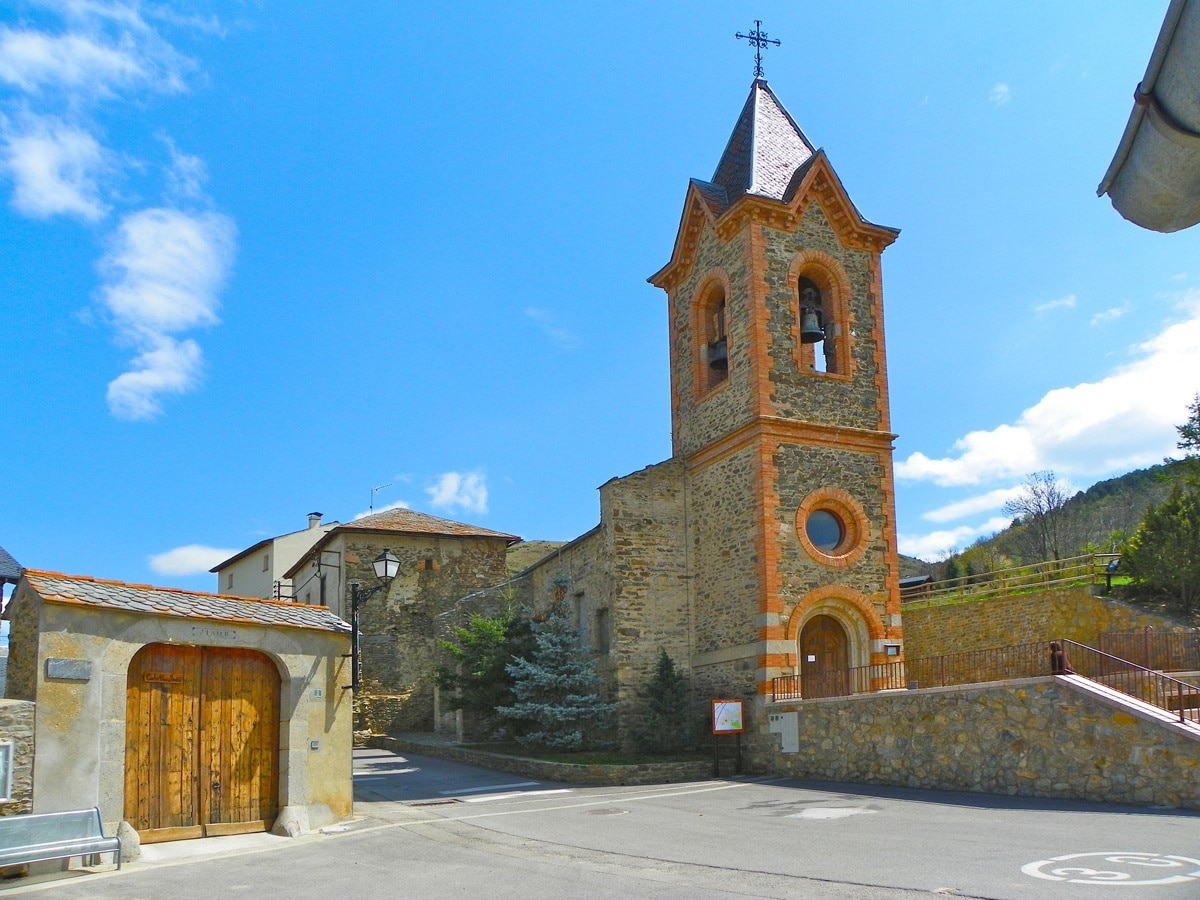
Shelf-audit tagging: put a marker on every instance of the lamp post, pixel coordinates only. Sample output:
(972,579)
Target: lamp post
(386,566)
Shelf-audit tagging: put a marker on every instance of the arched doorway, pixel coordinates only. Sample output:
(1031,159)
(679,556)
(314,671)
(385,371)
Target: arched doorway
(201,742)
(824,658)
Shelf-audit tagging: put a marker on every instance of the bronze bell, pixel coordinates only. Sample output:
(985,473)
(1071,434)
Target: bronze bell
(810,327)
(718,354)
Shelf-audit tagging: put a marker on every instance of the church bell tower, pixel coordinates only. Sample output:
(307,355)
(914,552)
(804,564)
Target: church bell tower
(779,406)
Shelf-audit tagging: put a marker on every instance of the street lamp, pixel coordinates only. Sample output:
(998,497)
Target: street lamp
(386,566)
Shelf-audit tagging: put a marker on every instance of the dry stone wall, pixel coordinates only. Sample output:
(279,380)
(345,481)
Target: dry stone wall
(1036,737)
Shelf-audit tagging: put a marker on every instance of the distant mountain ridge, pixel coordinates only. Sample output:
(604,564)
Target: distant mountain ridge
(1092,521)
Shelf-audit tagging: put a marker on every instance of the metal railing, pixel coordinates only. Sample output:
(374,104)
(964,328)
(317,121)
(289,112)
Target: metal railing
(1137,681)
(1055,574)
(1164,650)
(968,667)
(1000,664)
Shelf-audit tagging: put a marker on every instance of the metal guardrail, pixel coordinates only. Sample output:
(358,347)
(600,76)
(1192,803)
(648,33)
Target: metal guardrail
(999,664)
(1058,573)
(968,667)
(1167,651)
(1137,681)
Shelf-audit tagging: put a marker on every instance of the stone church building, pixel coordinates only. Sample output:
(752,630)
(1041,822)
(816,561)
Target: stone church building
(766,545)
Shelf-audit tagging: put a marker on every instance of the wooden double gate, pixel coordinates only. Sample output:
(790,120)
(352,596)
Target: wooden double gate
(201,742)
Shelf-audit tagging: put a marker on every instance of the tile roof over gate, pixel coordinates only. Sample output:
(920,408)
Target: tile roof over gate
(78,590)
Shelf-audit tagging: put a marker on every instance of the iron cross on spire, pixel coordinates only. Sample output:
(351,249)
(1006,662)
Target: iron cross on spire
(758,39)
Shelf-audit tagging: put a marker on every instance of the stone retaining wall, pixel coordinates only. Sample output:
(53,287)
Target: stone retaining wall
(16,725)
(1036,737)
(1074,614)
(566,773)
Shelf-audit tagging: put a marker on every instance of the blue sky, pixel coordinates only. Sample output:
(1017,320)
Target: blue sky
(259,258)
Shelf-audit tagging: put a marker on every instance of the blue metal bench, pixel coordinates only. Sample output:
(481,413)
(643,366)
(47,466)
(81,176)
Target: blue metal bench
(42,837)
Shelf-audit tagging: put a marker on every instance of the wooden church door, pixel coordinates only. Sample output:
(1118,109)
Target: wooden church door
(824,659)
(201,742)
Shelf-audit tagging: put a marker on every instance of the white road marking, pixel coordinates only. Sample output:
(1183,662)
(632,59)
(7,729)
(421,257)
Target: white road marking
(492,787)
(491,797)
(1124,869)
(830,812)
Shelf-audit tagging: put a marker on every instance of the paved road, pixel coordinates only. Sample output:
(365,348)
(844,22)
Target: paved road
(430,828)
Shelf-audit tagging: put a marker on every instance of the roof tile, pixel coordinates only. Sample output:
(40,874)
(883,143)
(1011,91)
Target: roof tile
(76,589)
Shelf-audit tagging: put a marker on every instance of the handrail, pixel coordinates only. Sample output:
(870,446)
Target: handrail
(967,667)
(1137,681)
(1165,651)
(1057,573)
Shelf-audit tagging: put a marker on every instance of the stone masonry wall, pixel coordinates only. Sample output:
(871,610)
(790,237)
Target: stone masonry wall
(814,397)
(644,516)
(22,646)
(803,469)
(16,725)
(1037,737)
(701,418)
(1074,614)
(400,626)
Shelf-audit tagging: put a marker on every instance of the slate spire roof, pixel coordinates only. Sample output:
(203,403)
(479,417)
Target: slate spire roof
(764,151)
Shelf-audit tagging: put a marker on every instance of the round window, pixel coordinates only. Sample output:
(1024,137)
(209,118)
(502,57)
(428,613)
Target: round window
(825,530)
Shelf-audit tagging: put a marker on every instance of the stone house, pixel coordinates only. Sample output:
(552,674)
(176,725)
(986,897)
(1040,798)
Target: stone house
(766,545)
(183,714)
(444,566)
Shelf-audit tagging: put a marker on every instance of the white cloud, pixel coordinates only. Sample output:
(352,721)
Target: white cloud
(54,168)
(192,559)
(32,60)
(938,543)
(1122,421)
(1001,94)
(186,174)
(980,503)
(548,322)
(1109,315)
(467,491)
(164,271)
(165,366)
(165,268)
(399,504)
(1067,302)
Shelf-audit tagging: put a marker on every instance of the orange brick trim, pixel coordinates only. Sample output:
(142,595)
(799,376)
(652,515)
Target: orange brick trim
(819,600)
(790,431)
(855,524)
(714,283)
(853,231)
(830,276)
(696,215)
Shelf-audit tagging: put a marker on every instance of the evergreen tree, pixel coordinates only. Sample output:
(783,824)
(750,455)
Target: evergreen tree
(558,706)
(477,679)
(666,725)
(1163,556)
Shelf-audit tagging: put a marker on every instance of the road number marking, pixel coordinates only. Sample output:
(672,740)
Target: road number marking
(1124,869)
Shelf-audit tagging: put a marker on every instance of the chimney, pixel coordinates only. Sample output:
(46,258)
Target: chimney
(314,520)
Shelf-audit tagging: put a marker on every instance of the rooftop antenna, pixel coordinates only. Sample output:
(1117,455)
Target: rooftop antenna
(374,491)
(758,40)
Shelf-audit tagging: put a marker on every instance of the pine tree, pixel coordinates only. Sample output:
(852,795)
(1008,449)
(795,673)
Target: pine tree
(1163,556)
(558,705)
(666,725)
